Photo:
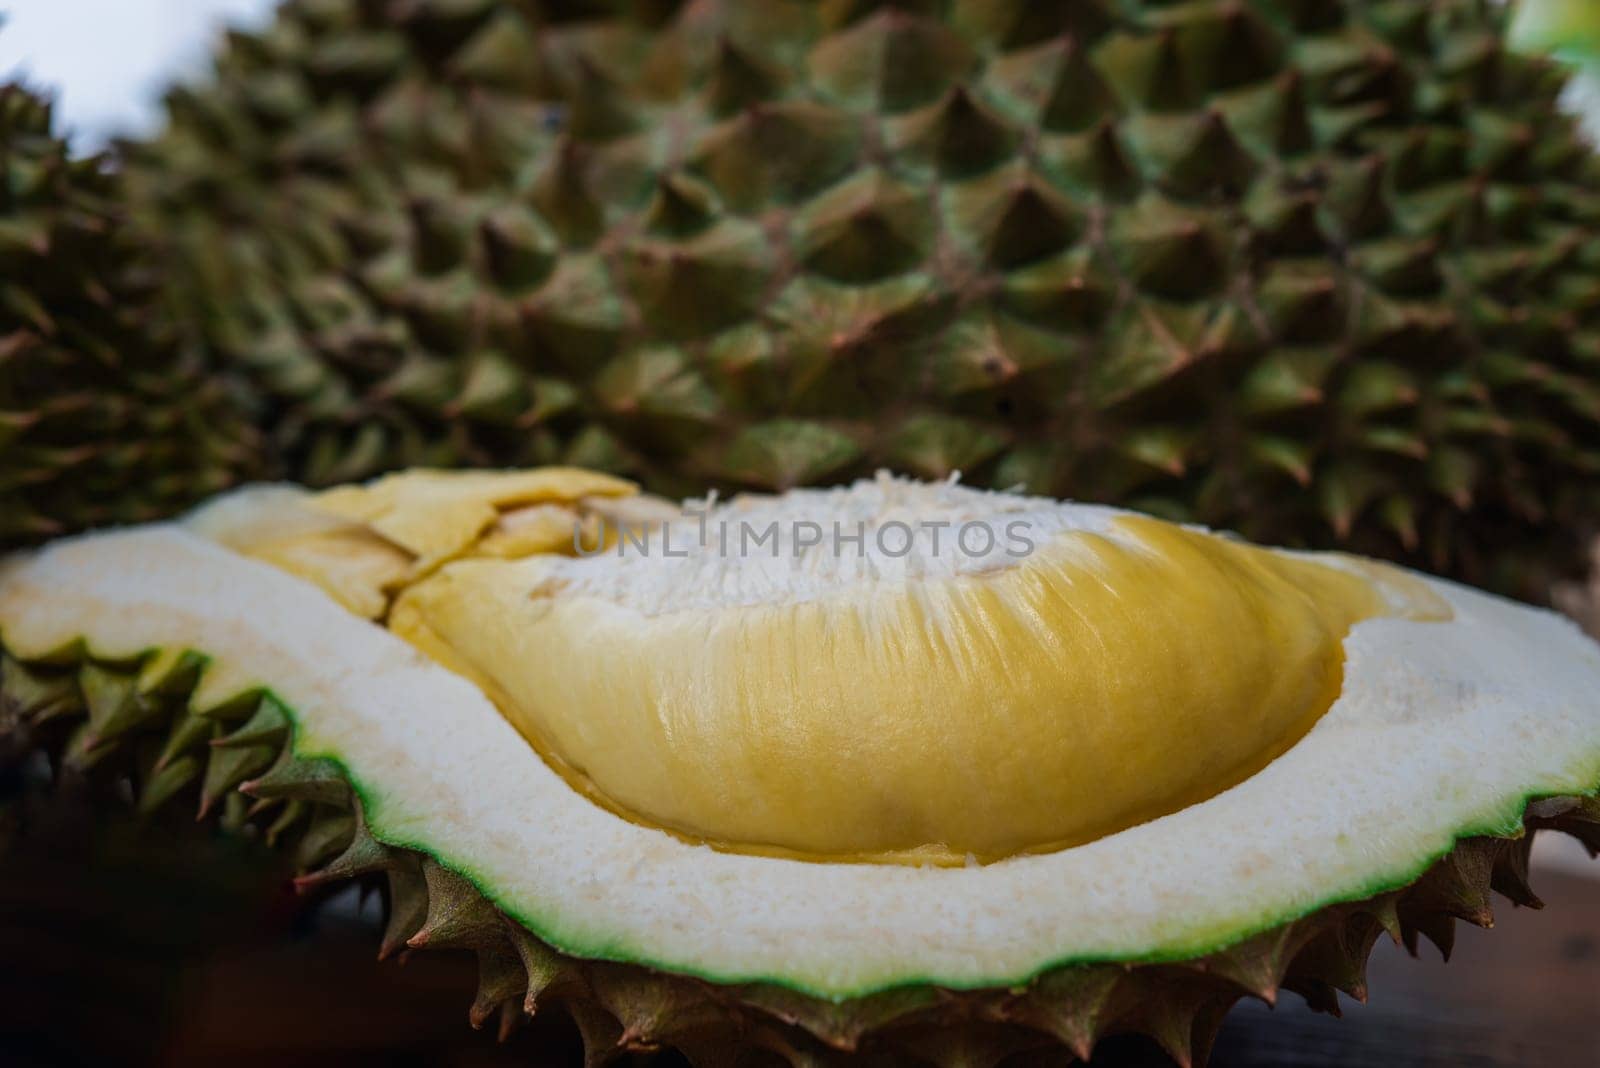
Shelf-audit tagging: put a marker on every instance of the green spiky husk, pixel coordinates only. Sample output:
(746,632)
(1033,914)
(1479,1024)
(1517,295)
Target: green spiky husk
(132,724)
(105,415)
(1322,271)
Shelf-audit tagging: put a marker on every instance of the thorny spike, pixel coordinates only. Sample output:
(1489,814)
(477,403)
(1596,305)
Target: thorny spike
(330,833)
(598,1029)
(115,707)
(268,726)
(226,769)
(408,906)
(362,856)
(292,778)
(1075,1004)
(166,779)
(189,731)
(501,981)
(1257,965)
(543,966)
(458,915)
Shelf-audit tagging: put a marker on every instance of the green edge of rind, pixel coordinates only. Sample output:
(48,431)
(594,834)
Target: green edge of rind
(1509,824)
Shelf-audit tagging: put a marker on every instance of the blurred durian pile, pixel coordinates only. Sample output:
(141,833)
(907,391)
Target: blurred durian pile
(1325,272)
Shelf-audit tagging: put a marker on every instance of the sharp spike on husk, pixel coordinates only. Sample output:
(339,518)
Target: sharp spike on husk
(1510,878)
(190,731)
(839,1024)
(36,695)
(457,914)
(267,726)
(166,780)
(1078,1005)
(599,1031)
(652,1008)
(227,769)
(292,778)
(501,980)
(1257,965)
(408,906)
(363,855)
(287,817)
(115,707)
(330,833)
(1440,930)
(543,966)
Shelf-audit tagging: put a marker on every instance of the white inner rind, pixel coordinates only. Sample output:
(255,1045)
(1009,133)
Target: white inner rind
(1443,730)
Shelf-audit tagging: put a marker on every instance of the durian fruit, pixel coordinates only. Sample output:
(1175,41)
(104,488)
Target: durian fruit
(899,769)
(105,417)
(1322,271)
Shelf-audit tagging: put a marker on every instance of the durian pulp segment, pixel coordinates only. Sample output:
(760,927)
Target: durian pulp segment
(363,543)
(807,704)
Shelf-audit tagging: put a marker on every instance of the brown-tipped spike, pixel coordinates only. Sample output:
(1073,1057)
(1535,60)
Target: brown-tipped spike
(1076,1004)
(188,732)
(226,769)
(562,195)
(839,1024)
(1436,927)
(1176,1015)
(329,834)
(682,205)
(891,61)
(511,1018)
(317,780)
(652,1007)
(26,693)
(598,1029)
(166,781)
(268,725)
(408,906)
(959,136)
(738,80)
(501,981)
(115,707)
(1257,965)
(458,915)
(543,966)
(364,855)
(1385,910)
(598,109)
(292,811)
(1459,884)
(1337,957)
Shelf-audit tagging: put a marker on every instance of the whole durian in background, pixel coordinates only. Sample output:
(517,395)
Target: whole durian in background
(1323,271)
(105,417)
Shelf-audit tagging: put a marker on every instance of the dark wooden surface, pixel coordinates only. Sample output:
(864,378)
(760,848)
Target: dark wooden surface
(128,960)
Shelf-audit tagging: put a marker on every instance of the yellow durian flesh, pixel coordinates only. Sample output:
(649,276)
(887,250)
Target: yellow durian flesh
(1107,682)
(1119,672)
(934,709)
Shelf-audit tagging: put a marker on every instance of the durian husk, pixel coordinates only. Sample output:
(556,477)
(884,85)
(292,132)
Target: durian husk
(106,415)
(131,724)
(1322,271)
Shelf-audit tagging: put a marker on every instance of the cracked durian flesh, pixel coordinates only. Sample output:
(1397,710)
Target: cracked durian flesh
(891,671)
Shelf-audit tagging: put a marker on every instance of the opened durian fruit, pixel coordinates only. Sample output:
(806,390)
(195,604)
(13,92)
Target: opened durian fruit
(897,768)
